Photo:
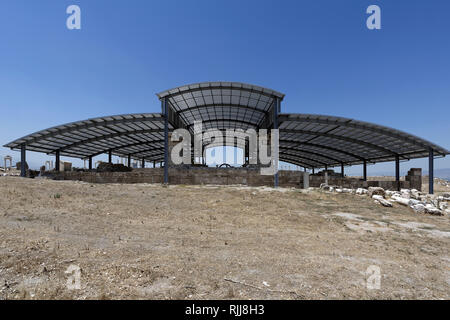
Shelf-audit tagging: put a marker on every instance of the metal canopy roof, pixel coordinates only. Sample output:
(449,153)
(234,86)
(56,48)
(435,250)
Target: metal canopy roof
(221,105)
(141,135)
(317,140)
(305,140)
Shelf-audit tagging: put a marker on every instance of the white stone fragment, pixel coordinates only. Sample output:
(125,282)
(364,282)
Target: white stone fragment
(432,210)
(419,208)
(376,190)
(381,200)
(361,191)
(390,193)
(401,200)
(413,202)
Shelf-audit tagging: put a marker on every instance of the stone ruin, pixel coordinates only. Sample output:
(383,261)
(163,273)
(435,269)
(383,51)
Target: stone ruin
(416,200)
(6,159)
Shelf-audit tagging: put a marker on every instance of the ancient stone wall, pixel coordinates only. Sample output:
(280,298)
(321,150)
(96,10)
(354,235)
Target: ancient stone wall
(228,176)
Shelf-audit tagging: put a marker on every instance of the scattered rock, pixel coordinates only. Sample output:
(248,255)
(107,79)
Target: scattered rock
(413,202)
(381,200)
(433,210)
(416,200)
(361,191)
(419,208)
(401,200)
(376,191)
(390,193)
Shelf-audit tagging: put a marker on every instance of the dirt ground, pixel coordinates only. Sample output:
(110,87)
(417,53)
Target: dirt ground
(207,242)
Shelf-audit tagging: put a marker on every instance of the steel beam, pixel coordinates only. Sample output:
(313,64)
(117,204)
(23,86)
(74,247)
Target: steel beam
(208,105)
(365,170)
(124,146)
(397,172)
(276,109)
(23,159)
(293,154)
(431,172)
(322,147)
(106,137)
(57,161)
(296,161)
(177,91)
(338,137)
(166,140)
(252,124)
(302,151)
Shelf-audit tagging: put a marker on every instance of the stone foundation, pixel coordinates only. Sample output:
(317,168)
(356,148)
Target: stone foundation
(228,176)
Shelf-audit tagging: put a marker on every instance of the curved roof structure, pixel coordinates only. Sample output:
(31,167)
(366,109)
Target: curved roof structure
(318,140)
(140,135)
(221,105)
(306,140)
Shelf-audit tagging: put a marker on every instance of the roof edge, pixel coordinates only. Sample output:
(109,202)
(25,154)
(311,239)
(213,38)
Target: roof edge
(219,84)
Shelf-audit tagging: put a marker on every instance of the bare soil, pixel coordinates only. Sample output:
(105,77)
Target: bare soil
(147,241)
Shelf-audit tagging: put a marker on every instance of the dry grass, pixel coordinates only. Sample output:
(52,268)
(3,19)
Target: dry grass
(181,242)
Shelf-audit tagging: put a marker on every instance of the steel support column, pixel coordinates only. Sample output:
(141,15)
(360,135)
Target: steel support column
(143,163)
(129,161)
(277,106)
(110,156)
(365,170)
(397,171)
(57,161)
(431,172)
(90,163)
(23,171)
(342,170)
(165,110)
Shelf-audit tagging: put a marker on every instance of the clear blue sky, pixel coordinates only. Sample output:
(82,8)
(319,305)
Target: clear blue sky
(319,53)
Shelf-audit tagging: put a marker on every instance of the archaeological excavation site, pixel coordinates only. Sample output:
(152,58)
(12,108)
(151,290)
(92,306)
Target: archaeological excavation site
(163,224)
